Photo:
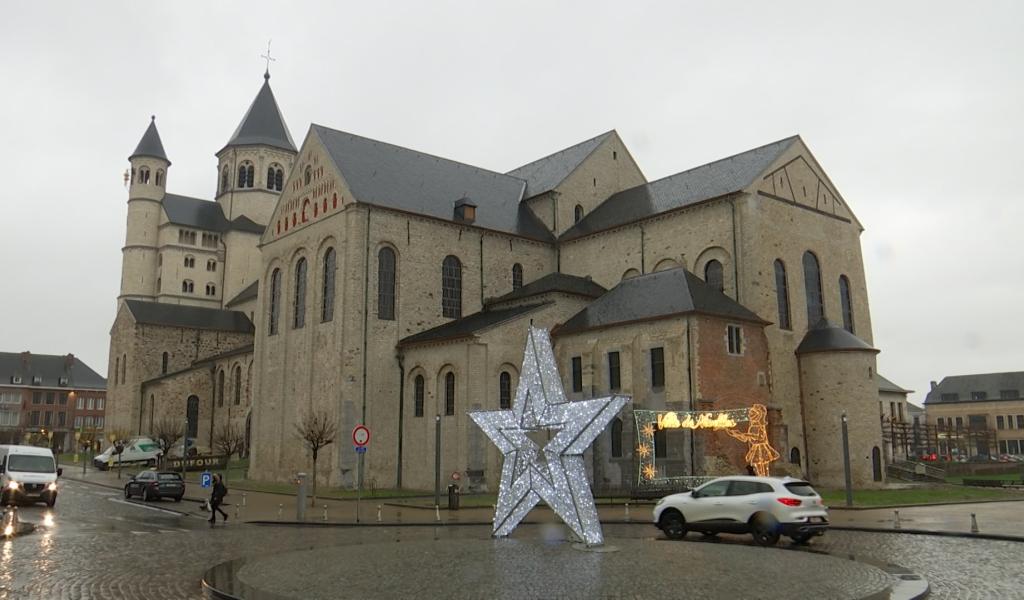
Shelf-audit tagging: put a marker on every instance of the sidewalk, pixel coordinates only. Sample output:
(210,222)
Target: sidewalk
(993,518)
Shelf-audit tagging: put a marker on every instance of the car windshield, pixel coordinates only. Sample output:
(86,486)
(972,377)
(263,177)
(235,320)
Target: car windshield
(148,447)
(169,477)
(801,489)
(27,463)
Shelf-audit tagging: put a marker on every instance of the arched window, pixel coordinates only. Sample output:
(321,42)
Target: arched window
(211,265)
(617,438)
(124,367)
(143,174)
(451,288)
(812,289)
(211,289)
(275,300)
(629,274)
(308,176)
(224,178)
(192,417)
(794,455)
(714,276)
(417,395)
(844,300)
(190,262)
(163,363)
(187,287)
(782,295)
(577,214)
(250,176)
(279,179)
(330,266)
(449,394)
(299,315)
(159,177)
(117,367)
(386,284)
(246,174)
(270,177)
(517,276)
(220,388)
(504,391)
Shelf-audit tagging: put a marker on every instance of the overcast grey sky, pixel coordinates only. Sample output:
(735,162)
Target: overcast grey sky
(913,108)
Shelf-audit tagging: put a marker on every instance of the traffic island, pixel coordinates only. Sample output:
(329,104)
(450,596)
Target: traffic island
(540,561)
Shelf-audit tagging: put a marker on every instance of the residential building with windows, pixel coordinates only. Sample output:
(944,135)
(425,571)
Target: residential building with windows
(40,395)
(393,288)
(988,402)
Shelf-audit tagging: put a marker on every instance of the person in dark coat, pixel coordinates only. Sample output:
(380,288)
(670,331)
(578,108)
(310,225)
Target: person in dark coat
(216,497)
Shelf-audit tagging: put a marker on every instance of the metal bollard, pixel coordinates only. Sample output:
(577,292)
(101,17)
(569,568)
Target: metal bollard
(437,513)
(280,507)
(325,512)
(896,521)
(300,497)
(380,508)
(236,512)
(243,498)
(974,523)
(627,511)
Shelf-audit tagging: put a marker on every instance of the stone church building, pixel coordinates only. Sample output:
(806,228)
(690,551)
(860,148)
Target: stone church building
(394,288)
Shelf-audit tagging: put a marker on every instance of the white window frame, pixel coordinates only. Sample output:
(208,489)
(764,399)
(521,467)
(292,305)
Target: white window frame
(734,347)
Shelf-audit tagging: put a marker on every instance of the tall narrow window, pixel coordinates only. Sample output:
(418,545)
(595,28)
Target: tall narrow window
(451,288)
(124,367)
(275,300)
(504,391)
(163,363)
(734,333)
(159,177)
(657,367)
(617,438)
(577,214)
(782,295)
(812,289)
(449,394)
(386,284)
(713,275)
(299,315)
(577,374)
(238,385)
(270,177)
(614,378)
(192,417)
(330,267)
(241,176)
(279,180)
(250,176)
(224,178)
(517,276)
(220,388)
(417,395)
(847,305)
(117,369)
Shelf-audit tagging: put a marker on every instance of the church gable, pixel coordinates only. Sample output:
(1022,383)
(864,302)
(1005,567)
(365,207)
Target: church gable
(796,177)
(314,191)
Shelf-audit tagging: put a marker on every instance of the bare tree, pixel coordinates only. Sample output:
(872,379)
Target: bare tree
(316,430)
(228,440)
(120,436)
(166,432)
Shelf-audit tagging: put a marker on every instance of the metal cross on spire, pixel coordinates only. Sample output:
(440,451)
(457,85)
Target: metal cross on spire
(269,60)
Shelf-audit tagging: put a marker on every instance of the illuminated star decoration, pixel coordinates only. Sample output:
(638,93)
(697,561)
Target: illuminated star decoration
(555,473)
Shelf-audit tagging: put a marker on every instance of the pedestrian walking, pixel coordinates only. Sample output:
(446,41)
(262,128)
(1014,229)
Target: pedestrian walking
(216,497)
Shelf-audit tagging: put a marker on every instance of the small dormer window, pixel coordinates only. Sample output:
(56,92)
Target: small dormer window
(37,380)
(465,210)
(62,381)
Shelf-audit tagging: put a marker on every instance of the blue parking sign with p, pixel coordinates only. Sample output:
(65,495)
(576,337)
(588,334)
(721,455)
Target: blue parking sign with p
(206,479)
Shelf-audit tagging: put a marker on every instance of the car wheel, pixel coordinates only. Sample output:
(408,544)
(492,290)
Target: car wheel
(765,529)
(127,492)
(801,538)
(674,525)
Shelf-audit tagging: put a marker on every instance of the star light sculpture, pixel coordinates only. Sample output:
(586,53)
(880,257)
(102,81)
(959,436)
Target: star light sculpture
(554,473)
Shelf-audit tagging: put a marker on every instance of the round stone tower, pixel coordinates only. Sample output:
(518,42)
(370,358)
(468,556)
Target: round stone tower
(148,182)
(837,381)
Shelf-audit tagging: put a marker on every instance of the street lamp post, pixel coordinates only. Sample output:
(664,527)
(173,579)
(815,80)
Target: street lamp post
(846,462)
(437,460)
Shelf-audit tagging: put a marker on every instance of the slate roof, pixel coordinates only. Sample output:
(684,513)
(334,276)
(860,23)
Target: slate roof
(884,385)
(826,337)
(554,282)
(544,175)
(263,123)
(719,178)
(150,144)
(248,293)
(51,368)
(191,317)
(653,296)
(204,214)
(992,384)
(390,176)
(471,324)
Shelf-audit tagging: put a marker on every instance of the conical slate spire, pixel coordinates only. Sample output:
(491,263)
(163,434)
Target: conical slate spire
(263,123)
(150,144)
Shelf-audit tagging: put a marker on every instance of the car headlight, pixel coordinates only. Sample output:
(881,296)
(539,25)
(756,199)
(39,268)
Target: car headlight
(52,487)
(13,485)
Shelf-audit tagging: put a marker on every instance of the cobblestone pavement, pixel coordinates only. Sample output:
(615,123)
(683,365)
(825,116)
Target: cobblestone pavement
(104,548)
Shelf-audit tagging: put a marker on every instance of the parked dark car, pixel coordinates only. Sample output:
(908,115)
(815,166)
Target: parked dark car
(154,485)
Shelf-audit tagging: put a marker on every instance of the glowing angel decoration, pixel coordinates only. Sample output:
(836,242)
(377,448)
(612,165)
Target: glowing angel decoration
(761,454)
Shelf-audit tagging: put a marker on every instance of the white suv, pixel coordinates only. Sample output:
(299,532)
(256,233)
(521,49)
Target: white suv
(766,507)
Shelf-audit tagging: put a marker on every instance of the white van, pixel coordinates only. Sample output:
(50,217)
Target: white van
(137,451)
(28,474)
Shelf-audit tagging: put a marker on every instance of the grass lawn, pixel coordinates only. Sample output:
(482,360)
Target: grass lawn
(959,479)
(923,495)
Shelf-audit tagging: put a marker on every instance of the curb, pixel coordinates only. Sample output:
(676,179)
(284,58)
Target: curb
(981,536)
(951,503)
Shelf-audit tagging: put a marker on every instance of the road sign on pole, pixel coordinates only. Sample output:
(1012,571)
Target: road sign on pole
(360,435)
(206,479)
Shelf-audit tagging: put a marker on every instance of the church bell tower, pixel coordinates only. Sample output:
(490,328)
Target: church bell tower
(147,185)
